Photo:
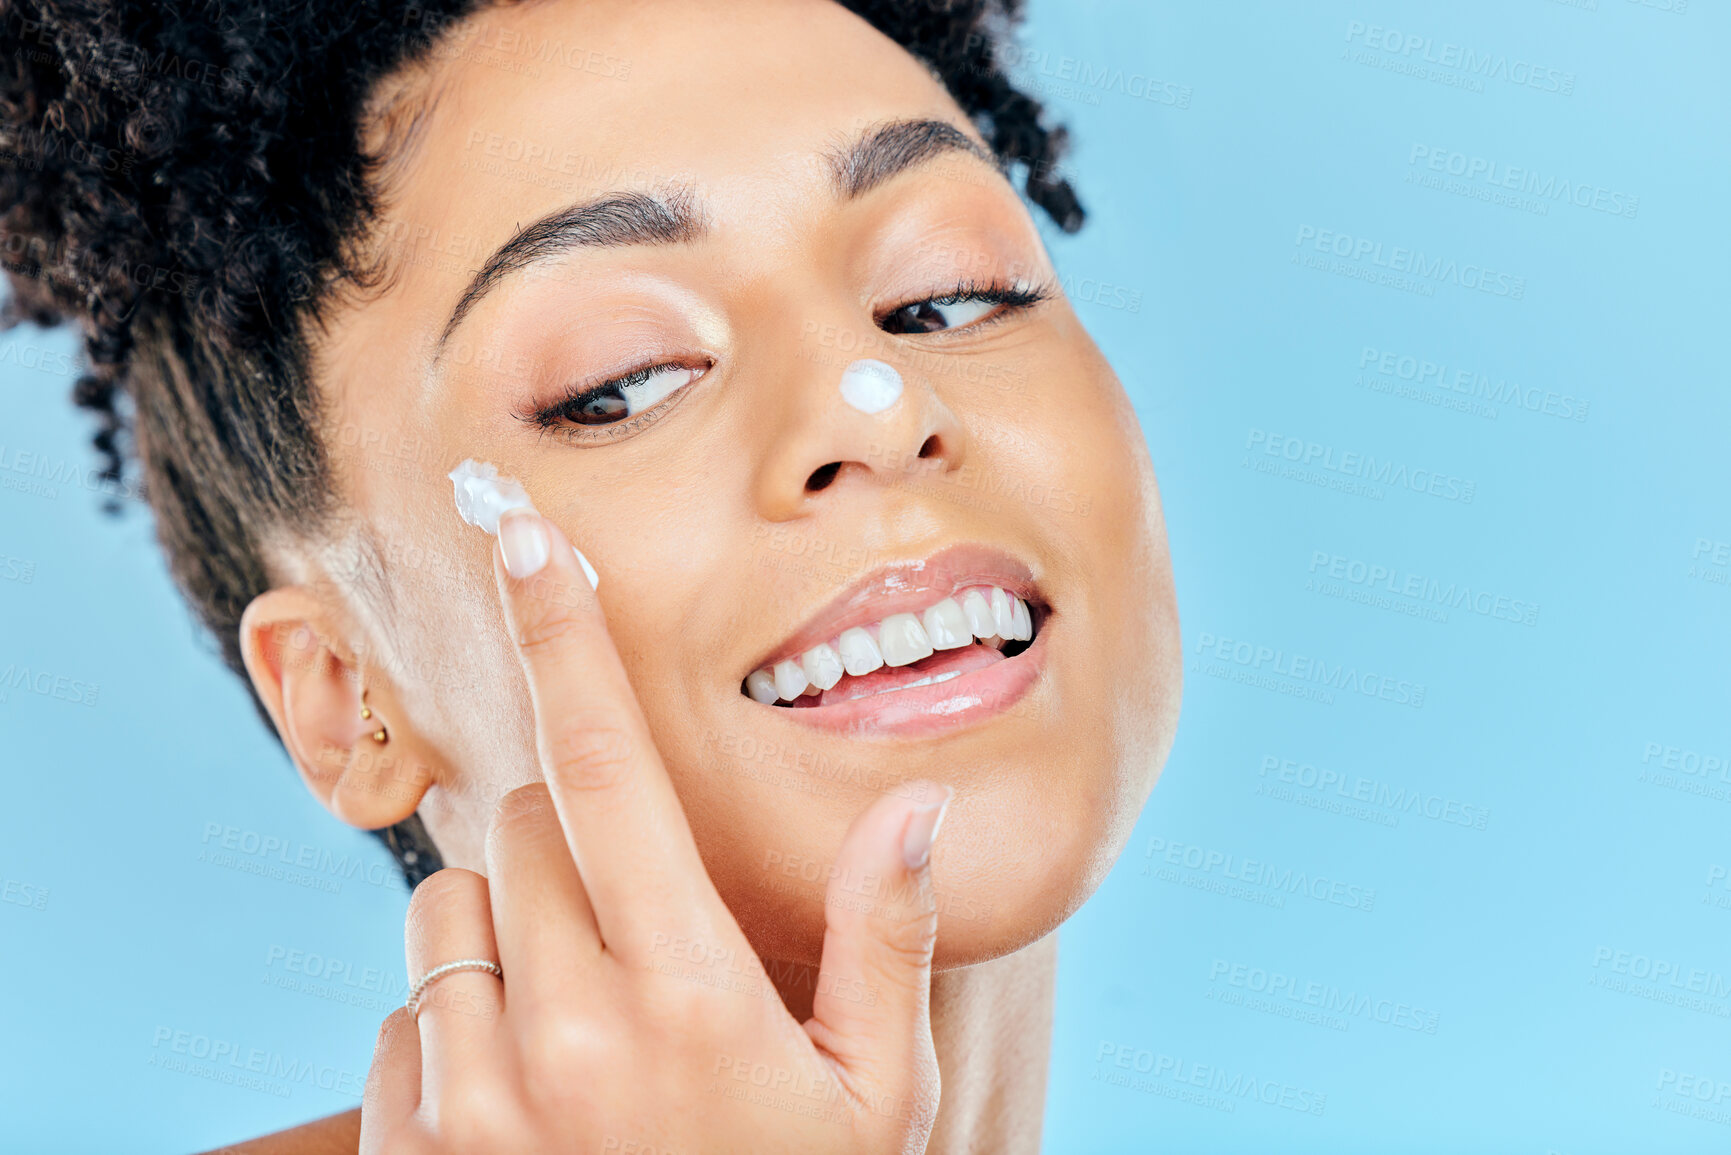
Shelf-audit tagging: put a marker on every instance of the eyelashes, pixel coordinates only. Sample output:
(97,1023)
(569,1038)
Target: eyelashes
(616,407)
(917,316)
(619,405)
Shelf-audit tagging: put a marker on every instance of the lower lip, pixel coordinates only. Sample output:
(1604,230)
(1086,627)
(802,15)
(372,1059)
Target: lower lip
(965,700)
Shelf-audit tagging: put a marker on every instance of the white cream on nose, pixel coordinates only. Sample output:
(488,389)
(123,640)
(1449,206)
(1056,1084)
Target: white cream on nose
(871,386)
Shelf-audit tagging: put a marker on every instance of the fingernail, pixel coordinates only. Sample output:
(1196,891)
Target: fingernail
(588,570)
(923,830)
(483,500)
(524,542)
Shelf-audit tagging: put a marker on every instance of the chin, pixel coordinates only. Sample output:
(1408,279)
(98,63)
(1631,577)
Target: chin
(1050,766)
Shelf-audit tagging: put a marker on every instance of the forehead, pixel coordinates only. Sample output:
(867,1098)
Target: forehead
(522,110)
(529,107)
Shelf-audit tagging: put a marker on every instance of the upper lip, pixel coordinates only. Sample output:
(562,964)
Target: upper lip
(908,587)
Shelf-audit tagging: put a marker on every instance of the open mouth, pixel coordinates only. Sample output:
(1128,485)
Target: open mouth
(954,633)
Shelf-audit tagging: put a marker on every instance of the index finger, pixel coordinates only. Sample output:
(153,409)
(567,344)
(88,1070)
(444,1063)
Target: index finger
(622,820)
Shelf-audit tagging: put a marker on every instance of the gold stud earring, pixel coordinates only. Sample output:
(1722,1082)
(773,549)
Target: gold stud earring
(379,735)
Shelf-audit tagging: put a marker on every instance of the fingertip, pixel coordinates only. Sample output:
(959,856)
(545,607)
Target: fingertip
(925,819)
(524,543)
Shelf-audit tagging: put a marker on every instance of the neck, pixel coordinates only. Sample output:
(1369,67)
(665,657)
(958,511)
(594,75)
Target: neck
(992,1026)
(992,1029)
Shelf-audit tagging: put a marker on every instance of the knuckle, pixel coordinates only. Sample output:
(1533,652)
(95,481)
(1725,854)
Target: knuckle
(548,629)
(672,1000)
(523,810)
(473,1113)
(393,1028)
(450,885)
(558,1045)
(442,891)
(397,1138)
(591,756)
(908,941)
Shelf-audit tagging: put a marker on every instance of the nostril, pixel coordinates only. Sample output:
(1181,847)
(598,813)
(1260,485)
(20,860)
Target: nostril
(930,447)
(821,477)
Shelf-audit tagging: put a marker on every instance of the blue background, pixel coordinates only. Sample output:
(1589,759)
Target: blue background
(1462,988)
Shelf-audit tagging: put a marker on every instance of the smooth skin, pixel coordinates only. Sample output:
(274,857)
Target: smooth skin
(713,547)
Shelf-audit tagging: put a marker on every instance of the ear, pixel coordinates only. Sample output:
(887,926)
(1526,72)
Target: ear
(341,724)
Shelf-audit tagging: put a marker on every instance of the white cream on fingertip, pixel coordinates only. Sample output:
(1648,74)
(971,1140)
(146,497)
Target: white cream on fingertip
(483,497)
(871,386)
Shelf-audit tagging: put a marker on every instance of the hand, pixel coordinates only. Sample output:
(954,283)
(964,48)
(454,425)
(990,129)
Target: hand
(598,1039)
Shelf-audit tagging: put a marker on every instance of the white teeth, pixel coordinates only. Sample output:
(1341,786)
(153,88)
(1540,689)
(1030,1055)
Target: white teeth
(760,684)
(823,666)
(1003,617)
(947,626)
(903,640)
(979,614)
(859,652)
(790,680)
(992,615)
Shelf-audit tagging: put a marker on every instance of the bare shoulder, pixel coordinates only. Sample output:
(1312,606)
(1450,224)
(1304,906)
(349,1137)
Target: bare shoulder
(332,1135)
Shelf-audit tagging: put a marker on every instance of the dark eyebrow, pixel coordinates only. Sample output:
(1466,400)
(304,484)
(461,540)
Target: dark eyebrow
(634,218)
(611,220)
(890,149)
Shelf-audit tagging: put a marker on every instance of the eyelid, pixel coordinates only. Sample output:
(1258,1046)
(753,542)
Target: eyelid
(1021,295)
(551,418)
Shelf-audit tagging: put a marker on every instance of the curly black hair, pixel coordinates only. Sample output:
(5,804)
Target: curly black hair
(190,182)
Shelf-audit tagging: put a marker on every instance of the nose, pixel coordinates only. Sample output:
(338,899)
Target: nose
(836,434)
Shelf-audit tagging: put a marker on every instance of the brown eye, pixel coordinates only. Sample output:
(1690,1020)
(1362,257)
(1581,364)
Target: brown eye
(601,407)
(627,396)
(937,314)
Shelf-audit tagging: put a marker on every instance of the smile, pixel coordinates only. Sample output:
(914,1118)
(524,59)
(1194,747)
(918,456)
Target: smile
(939,639)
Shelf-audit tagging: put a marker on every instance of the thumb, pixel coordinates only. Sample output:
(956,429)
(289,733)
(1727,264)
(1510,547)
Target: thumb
(872,1008)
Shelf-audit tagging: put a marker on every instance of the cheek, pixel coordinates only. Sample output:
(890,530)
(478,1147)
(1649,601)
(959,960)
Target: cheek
(1108,540)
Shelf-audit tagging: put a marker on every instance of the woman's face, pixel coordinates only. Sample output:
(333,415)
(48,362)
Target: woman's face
(728,204)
